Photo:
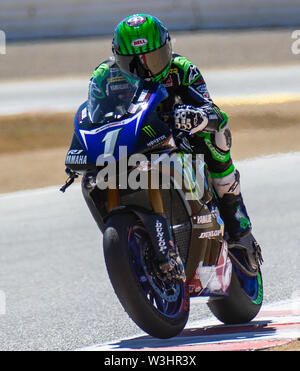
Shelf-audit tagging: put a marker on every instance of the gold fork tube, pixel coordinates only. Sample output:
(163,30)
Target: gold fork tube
(113,199)
(155,198)
(156,201)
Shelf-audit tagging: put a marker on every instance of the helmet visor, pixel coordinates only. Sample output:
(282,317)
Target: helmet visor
(145,65)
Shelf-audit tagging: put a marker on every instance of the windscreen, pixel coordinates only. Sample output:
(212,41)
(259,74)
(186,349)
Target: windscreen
(110,95)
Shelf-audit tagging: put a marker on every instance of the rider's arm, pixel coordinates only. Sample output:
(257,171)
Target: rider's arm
(197,109)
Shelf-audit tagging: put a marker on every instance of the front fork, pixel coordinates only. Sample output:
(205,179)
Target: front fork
(169,261)
(113,198)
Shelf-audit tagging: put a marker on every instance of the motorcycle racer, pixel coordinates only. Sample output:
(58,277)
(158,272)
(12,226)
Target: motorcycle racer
(142,47)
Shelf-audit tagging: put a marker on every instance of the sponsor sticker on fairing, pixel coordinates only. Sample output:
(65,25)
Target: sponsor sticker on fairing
(75,157)
(204,219)
(160,236)
(76,160)
(210,234)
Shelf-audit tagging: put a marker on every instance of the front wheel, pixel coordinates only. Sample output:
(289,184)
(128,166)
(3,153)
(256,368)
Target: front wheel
(155,303)
(244,300)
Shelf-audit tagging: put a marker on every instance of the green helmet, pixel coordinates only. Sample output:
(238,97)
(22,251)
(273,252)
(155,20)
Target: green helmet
(142,46)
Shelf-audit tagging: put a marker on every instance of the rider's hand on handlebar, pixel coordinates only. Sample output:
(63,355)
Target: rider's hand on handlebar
(189,118)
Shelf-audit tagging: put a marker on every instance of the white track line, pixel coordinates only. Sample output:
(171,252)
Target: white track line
(278,317)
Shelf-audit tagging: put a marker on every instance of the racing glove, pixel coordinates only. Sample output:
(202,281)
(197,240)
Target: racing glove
(190,118)
(208,118)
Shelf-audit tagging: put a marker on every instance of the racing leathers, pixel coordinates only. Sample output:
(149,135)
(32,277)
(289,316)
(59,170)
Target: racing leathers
(194,110)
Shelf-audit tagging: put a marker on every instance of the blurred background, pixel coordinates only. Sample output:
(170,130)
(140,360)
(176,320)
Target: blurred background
(243,49)
(31,19)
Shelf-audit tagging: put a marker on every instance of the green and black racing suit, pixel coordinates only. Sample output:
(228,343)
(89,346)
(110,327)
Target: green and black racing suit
(186,86)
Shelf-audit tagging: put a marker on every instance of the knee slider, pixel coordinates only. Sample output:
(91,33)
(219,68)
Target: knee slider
(223,139)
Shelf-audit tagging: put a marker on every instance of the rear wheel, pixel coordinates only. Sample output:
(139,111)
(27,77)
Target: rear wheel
(244,300)
(155,303)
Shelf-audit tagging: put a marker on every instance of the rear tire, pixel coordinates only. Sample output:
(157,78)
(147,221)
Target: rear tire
(129,281)
(238,306)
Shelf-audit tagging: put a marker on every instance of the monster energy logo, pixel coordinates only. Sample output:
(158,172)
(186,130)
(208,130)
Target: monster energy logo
(149,131)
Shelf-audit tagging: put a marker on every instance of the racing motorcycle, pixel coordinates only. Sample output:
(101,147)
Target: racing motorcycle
(163,245)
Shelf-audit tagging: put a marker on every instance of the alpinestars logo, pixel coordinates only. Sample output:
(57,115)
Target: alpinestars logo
(193,74)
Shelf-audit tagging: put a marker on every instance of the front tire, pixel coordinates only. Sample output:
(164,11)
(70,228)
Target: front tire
(126,247)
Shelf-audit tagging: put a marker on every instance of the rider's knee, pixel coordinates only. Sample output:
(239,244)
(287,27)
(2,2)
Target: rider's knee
(223,139)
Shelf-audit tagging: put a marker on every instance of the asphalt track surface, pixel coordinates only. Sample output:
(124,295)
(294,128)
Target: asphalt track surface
(233,85)
(276,324)
(54,282)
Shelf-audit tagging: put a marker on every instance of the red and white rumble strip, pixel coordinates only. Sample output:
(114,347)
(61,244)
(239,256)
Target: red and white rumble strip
(276,324)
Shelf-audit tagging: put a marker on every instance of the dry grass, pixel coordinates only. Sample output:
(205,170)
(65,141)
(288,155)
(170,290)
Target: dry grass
(28,132)
(265,116)
(291,347)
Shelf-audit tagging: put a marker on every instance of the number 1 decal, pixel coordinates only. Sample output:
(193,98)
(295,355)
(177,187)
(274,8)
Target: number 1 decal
(110,141)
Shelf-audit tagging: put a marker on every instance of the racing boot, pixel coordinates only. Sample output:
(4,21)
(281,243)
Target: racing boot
(232,207)
(234,215)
